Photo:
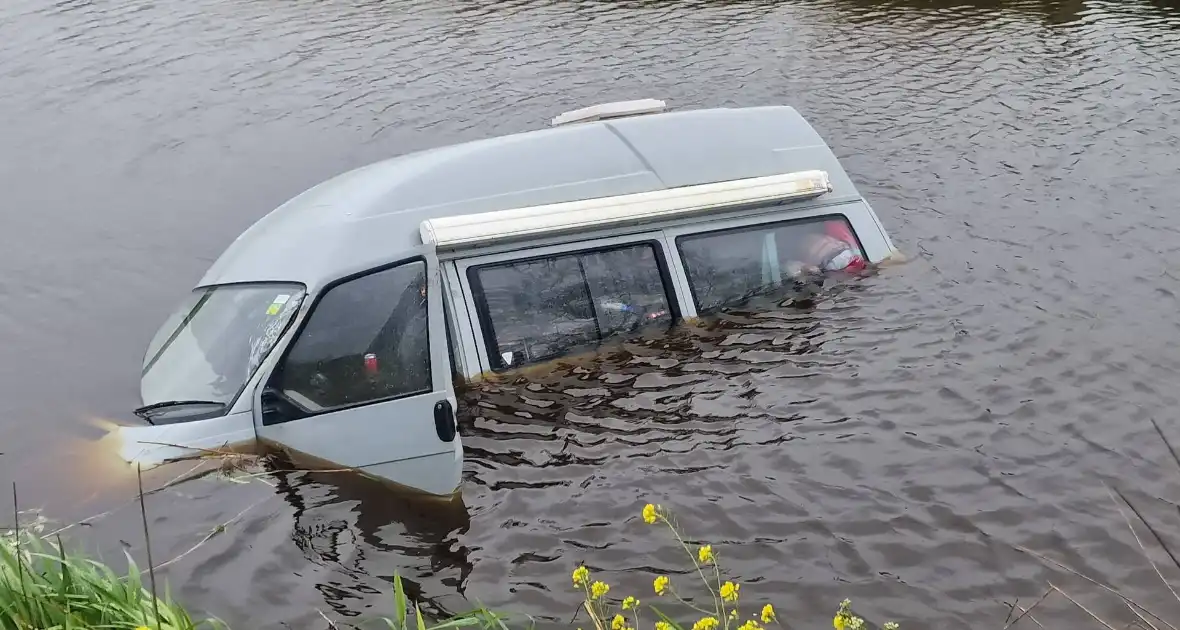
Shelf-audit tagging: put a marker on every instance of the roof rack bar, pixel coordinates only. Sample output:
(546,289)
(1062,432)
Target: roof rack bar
(603,111)
(487,228)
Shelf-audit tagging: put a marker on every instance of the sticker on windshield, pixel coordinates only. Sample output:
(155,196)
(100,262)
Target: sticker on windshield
(277,305)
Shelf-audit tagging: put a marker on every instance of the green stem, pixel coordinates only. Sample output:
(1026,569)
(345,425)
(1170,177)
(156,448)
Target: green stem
(690,605)
(717,576)
(696,564)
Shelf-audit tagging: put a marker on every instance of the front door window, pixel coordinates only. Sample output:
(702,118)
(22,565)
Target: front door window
(365,341)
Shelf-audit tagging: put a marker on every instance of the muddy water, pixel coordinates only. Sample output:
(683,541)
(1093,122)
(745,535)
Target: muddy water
(891,443)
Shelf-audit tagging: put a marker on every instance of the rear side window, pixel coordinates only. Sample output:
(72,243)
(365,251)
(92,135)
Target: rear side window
(542,308)
(365,341)
(727,267)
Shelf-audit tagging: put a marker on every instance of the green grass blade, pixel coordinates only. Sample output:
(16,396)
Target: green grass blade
(666,618)
(399,598)
(457,622)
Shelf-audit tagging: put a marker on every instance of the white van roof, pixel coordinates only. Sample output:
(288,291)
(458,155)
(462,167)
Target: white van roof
(371,215)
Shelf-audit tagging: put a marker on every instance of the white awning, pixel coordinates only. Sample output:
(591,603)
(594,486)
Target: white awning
(487,228)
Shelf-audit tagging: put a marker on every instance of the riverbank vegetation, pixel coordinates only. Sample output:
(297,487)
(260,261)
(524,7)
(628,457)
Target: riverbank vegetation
(722,606)
(45,586)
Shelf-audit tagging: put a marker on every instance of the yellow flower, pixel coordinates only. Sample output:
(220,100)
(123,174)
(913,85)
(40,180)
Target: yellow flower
(767,613)
(729,591)
(848,622)
(845,620)
(750,625)
(650,513)
(663,625)
(630,602)
(598,589)
(706,623)
(618,623)
(661,584)
(581,576)
(733,615)
(705,554)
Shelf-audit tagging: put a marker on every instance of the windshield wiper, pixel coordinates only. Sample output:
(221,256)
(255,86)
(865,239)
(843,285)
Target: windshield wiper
(145,412)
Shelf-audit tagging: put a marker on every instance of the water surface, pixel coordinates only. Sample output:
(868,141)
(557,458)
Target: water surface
(890,444)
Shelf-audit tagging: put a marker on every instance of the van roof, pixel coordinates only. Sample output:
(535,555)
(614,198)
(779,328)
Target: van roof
(371,215)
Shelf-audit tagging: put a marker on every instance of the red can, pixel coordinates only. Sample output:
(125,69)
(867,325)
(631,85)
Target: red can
(371,363)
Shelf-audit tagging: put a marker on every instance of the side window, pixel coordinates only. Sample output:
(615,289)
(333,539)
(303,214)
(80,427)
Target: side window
(540,309)
(366,341)
(729,266)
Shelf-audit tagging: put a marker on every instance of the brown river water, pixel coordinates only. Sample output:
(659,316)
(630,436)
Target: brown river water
(891,444)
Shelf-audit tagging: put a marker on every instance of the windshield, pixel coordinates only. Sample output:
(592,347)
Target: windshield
(210,346)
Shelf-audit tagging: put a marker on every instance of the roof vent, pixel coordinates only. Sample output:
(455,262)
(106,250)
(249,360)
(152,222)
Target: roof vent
(603,111)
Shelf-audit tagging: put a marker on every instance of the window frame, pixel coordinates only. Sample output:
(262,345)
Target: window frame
(470,268)
(281,361)
(454,351)
(679,238)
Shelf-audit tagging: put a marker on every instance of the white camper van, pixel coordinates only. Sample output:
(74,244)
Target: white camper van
(334,326)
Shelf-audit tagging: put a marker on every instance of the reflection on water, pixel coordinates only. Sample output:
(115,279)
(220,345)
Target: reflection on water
(342,520)
(889,442)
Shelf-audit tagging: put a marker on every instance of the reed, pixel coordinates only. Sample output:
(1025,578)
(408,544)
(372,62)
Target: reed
(1144,617)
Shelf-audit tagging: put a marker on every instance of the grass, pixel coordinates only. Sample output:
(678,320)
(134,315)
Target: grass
(44,586)
(480,618)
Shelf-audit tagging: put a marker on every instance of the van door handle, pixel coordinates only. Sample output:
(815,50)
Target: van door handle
(444,421)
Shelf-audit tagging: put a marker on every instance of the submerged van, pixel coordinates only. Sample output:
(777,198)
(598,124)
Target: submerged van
(336,326)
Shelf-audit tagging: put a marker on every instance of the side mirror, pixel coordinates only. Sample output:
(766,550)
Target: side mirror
(271,406)
(278,407)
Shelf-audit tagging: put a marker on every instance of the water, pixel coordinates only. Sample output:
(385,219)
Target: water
(891,445)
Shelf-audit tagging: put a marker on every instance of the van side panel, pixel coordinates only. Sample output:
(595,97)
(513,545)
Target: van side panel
(876,248)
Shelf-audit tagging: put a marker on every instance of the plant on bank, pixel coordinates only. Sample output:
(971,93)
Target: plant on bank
(43,587)
(481,617)
(721,609)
